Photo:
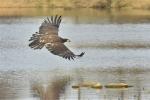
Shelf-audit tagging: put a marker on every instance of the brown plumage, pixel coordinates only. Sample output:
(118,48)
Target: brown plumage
(48,37)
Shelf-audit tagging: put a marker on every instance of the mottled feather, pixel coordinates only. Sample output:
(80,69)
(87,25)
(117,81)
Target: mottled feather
(48,37)
(61,50)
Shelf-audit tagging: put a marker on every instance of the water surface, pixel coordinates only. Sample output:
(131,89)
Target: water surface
(117,46)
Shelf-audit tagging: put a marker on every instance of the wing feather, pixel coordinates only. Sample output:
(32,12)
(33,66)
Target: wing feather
(61,50)
(50,25)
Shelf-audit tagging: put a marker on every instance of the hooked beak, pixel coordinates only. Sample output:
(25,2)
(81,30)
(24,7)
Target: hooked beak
(68,40)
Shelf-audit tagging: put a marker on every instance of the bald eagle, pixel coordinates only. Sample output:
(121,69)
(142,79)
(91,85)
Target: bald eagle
(48,37)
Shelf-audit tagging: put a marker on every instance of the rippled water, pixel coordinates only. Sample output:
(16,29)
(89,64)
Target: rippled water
(117,46)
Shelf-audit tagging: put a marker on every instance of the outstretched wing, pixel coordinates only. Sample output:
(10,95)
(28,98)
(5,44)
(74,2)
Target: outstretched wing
(50,25)
(61,50)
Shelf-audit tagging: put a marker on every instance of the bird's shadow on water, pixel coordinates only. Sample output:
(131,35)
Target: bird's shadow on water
(51,91)
(117,85)
(57,85)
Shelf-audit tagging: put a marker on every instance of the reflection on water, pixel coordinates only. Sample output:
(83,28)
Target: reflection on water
(51,85)
(117,51)
(52,90)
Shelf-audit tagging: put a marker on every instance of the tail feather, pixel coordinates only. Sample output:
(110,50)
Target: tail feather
(39,46)
(35,36)
(35,44)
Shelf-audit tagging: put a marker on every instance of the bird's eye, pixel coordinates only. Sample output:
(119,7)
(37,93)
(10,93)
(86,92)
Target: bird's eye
(68,40)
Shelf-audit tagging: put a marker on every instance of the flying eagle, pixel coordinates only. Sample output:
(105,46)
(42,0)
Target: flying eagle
(48,37)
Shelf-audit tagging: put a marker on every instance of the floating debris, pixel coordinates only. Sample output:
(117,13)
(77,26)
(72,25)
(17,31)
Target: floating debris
(97,86)
(75,87)
(117,85)
(94,85)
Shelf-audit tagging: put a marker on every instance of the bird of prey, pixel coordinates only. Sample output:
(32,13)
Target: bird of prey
(48,37)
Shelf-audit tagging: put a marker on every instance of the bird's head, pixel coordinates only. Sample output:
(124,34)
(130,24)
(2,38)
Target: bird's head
(66,40)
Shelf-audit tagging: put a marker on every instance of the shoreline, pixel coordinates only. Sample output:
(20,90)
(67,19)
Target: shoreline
(70,8)
(73,4)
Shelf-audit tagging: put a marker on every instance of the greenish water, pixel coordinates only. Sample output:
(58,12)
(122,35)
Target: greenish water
(116,43)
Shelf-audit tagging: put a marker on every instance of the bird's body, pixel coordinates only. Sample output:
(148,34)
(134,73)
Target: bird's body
(48,37)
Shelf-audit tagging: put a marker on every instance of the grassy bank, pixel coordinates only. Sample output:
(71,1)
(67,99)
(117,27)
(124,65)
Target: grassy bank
(138,4)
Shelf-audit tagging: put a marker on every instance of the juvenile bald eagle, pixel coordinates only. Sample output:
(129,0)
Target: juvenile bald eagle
(48,37)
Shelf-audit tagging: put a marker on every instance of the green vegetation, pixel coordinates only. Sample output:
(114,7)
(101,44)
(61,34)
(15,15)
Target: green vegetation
(102,4)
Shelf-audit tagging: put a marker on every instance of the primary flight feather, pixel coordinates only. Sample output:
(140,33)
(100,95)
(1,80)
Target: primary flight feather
(48,37)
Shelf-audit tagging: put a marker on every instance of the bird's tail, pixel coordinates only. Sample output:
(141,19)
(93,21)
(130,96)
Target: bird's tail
(80,55)
(36,44)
